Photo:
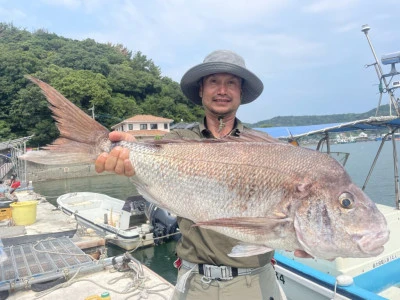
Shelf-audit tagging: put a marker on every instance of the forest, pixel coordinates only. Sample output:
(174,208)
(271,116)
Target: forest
(117,82)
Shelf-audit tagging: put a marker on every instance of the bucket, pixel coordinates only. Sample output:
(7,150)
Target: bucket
(24,213)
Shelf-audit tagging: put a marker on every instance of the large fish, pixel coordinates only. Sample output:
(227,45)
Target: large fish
(267,195)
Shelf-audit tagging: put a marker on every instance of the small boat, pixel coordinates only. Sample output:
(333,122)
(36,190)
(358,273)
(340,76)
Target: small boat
(122,223)
(349,278)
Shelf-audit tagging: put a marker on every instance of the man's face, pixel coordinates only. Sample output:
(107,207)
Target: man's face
(221,93)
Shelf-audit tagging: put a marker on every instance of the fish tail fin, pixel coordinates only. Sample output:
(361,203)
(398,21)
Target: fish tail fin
(81,139)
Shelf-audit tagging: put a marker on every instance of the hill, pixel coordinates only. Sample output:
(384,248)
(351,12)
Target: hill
(314,120)
(112,80)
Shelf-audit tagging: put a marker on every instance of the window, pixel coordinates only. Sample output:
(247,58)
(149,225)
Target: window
(165,126)
(153,126)
(143,126)
(130,126)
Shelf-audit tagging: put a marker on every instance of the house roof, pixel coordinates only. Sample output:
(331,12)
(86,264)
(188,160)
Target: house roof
(147,118)
(151,132)
(144,119)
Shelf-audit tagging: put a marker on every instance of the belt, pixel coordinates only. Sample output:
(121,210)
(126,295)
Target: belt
(217,272)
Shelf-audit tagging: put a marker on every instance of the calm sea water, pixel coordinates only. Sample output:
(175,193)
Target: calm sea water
(160,258)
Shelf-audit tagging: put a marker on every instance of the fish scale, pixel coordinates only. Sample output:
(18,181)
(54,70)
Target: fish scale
(264,193)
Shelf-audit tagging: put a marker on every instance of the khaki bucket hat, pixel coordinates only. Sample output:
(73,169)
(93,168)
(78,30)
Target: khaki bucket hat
(221,61)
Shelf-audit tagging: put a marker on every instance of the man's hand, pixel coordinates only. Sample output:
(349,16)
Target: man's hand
(118,159)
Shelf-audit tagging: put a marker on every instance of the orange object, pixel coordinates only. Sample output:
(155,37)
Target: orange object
(5,213)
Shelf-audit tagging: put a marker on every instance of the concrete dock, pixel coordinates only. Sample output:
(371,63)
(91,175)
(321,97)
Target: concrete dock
(119,285)
(50,222)
(78,281)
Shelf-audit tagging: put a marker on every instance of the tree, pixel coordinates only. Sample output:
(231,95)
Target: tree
(108,77)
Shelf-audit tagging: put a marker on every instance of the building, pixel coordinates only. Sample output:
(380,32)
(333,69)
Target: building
(145,126)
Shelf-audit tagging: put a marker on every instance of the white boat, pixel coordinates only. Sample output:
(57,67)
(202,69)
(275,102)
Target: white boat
(106,216)
(351,278)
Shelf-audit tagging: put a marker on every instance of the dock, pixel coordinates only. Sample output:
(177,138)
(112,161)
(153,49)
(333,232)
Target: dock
(152,286)
(57,269)
(55,258)
(50,222)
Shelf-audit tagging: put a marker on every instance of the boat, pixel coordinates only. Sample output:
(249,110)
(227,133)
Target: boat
(350,278)
(122,223)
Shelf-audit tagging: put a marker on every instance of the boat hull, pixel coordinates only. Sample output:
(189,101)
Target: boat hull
(105,216)
(368,278)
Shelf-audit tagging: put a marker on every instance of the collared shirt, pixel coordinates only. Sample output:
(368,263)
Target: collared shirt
(204,246)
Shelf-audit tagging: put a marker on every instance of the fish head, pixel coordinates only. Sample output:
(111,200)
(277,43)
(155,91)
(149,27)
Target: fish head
(337,219)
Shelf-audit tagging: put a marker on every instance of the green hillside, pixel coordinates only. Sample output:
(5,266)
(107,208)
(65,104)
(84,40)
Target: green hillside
(313,120)
(117,82)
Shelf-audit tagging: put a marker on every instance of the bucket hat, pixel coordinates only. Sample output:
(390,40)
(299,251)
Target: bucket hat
(221,61)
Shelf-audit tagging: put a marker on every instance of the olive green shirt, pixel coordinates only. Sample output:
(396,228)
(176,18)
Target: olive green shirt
(204,246)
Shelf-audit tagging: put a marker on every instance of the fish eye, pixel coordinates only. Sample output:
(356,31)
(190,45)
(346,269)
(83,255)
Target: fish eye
(346,200)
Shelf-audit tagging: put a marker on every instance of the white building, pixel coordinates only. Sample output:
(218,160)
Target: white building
(144,126)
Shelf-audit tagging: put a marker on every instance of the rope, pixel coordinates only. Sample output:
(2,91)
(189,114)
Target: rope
(56,252)
(139,286)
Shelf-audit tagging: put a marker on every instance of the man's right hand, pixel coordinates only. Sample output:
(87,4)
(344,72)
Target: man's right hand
(117,160)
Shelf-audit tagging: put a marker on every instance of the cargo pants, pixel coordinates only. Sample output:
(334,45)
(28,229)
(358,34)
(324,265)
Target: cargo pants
(261,285)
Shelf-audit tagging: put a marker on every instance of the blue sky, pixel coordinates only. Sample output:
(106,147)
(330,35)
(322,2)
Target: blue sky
(311,55)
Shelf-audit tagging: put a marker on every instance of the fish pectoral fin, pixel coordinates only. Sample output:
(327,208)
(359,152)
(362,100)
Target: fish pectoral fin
(245,223)
(245,250)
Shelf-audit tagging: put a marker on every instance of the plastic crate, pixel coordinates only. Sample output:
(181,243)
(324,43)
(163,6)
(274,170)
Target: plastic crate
(5,213)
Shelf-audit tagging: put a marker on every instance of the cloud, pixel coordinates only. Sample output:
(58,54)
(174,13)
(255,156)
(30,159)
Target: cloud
(70,4)
(12,14)
(329,6)
(347,27)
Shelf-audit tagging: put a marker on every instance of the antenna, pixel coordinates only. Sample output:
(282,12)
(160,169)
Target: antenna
(365,28)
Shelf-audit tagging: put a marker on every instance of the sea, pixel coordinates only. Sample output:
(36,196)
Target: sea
(160,258)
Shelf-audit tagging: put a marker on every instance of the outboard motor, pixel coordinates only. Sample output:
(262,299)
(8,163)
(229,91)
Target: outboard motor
(163,222)
(135,205)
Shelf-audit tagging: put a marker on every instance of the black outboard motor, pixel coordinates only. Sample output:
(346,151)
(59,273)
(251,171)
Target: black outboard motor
(136,206)
(163,222)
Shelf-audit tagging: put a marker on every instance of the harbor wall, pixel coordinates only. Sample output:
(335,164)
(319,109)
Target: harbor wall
(38,172)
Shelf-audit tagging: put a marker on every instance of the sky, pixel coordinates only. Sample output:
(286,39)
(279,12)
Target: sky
(310,54)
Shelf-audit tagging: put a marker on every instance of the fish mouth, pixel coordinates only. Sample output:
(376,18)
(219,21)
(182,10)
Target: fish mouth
(372,243)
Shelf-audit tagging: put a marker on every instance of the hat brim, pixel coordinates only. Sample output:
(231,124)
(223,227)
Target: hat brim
(252,86)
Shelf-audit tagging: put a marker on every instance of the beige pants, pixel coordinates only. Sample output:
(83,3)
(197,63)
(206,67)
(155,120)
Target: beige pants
(260,286)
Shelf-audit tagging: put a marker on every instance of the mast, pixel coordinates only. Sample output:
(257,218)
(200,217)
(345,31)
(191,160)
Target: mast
(389,59)
(365,28)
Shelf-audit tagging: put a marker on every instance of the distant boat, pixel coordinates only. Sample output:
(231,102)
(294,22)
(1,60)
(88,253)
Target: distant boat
(120,223)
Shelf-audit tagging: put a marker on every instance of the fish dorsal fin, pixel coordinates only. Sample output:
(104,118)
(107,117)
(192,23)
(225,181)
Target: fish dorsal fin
(246,136)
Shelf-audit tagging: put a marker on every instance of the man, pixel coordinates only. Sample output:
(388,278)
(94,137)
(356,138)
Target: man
(221,84)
